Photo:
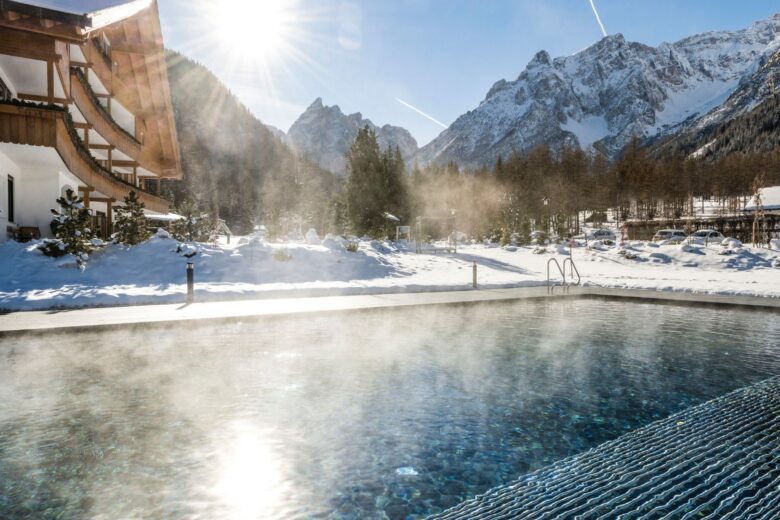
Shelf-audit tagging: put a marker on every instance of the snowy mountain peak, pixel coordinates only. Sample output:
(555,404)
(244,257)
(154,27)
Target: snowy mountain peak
(605,94)
(325,133)
(540,58)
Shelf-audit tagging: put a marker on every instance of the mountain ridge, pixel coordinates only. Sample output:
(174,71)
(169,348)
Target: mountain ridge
(605,95)
(324,134)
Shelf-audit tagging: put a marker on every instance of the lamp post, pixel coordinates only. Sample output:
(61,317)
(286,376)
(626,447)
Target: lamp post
(546,202)
(190,282)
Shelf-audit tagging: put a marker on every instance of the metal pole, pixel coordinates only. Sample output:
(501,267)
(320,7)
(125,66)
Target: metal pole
(474,275)
(190,283)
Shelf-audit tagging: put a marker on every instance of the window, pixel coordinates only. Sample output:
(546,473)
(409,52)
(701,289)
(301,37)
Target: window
(10,199)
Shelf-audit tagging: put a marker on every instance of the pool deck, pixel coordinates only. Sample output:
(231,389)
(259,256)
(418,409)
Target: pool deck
(97,317)
(716,460)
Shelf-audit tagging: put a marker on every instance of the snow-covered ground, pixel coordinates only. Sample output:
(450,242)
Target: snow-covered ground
(154,272)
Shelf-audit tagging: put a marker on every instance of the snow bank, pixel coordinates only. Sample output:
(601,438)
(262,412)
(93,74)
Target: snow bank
(154,272)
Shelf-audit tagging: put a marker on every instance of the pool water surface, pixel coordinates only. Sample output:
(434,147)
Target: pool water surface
(387,414)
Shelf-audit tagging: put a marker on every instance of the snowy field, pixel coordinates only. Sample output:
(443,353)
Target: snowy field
(154,272)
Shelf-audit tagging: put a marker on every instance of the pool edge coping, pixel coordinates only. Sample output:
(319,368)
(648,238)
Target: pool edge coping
(94,318)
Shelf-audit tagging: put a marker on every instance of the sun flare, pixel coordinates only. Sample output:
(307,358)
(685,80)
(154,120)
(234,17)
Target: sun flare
(255,29)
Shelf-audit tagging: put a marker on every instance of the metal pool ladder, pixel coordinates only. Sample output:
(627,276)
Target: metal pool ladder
(572,271)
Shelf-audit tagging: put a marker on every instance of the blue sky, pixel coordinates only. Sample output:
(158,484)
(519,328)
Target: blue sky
(441,56)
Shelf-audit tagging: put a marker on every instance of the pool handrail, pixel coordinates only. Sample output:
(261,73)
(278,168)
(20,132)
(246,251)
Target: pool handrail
(572,269)
(563,273)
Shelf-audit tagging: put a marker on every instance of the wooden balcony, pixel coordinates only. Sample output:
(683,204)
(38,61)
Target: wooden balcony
(51,126)
(97,115)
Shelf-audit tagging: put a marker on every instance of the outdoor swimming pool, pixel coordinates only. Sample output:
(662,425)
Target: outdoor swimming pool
(371,414)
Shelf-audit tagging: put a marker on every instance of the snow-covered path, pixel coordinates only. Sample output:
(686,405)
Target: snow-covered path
(154,272)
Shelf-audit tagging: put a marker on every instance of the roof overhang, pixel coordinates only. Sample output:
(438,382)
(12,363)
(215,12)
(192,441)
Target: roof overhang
(79,24)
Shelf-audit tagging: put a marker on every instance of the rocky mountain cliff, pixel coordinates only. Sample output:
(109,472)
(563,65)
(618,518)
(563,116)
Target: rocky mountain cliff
(324,134)
(610,92)
(748,121)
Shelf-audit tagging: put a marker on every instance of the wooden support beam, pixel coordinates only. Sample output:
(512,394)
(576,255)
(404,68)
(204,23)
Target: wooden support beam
(120,163)
(82,126)
(85,191)
(59,31)
(50,81)
(26,45)
(108,147)
(42,99)
(82,64)
(109,217)
(63,81)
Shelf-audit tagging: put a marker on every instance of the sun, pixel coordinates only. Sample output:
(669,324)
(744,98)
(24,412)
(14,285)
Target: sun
(254,29)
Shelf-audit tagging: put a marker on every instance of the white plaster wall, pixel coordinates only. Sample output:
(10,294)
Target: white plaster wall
(37,194)
(7,167)
(36,190)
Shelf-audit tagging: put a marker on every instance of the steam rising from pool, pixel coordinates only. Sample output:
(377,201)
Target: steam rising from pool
(378,413)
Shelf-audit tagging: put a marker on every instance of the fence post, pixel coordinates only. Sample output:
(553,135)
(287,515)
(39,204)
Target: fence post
(474,275)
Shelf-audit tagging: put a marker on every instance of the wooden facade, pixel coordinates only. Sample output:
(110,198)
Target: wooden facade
(120,50)
(48,127)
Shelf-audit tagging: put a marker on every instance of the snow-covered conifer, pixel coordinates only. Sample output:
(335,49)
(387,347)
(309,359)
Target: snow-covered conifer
(71,227)
(130,221)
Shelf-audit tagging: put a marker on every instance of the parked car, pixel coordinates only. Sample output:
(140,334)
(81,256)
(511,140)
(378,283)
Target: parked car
(670,235)
(707,235)
(603,234)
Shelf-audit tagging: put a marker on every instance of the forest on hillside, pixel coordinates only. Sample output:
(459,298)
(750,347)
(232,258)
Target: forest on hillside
(757,131)
(234,167)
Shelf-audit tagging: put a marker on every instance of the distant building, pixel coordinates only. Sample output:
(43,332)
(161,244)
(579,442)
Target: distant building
(734,219)
(770,201)
(84,104)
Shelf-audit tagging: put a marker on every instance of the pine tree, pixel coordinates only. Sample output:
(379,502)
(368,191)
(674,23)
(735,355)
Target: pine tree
(71,228)
(525,232)
(131,222)
(195,226)
(364,184)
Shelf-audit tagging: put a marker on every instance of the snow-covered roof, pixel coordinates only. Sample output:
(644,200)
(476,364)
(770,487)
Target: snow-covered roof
(93,13)
(162,217)
(770,199)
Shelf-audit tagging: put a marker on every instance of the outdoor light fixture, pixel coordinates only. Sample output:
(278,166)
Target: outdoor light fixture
(190,282)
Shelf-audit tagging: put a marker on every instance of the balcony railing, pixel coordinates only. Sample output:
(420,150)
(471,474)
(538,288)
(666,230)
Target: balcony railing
(96,101)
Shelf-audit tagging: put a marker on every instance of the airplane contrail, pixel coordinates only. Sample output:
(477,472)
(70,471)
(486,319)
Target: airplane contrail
(598,18)
(407,105)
